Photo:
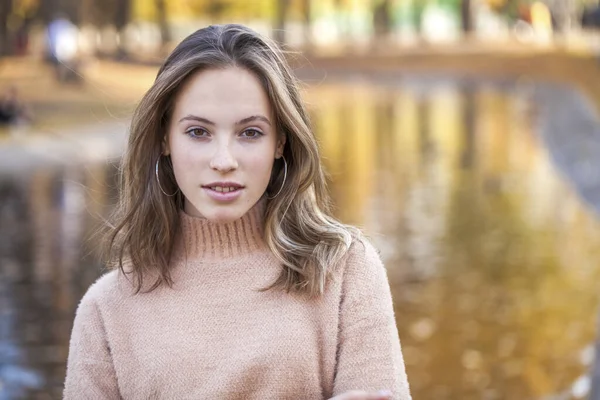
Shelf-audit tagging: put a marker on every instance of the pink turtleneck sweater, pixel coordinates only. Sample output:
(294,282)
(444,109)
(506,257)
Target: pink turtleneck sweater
(214,336)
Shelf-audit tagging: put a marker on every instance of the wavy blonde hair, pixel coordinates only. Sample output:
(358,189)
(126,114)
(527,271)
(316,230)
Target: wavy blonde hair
(299,228)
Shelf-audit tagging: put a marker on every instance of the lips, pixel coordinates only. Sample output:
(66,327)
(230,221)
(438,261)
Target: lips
(223,191)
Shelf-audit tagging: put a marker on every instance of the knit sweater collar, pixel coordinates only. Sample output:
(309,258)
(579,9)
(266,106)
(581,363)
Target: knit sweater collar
(206,240)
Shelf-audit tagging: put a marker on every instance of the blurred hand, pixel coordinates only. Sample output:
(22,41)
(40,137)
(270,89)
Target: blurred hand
(362,395)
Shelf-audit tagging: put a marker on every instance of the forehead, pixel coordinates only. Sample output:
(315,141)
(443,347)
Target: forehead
(228,93)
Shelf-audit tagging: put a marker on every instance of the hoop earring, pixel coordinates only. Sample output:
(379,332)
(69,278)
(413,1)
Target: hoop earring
(285,167)
(158,180)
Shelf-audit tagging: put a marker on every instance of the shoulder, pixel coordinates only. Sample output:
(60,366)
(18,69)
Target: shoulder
(362,259)
(105,290)
(362,251)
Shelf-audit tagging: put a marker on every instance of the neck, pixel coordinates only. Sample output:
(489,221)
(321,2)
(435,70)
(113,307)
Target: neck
(207,240)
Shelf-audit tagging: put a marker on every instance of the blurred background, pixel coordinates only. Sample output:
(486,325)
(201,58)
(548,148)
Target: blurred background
(463,136)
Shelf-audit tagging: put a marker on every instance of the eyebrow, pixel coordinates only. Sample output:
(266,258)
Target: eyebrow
(251,118)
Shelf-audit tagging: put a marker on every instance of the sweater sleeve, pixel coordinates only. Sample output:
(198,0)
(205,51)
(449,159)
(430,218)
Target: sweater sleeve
(368,354)
(90,371)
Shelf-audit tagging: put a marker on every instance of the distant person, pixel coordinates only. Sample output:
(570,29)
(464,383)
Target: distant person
(230,277)
(12,110)
(62,46)
(22,38)
(590,18)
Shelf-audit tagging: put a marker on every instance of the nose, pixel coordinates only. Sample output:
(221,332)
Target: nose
(223,159)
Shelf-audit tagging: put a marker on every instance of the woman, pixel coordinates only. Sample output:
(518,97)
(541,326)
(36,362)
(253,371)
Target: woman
(231,279)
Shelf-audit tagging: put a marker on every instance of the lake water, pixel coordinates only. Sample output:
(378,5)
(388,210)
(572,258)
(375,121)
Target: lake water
(492,257)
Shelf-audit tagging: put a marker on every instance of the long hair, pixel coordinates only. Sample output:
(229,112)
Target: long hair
(299,228)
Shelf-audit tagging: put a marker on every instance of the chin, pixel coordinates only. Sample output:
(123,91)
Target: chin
(221,214)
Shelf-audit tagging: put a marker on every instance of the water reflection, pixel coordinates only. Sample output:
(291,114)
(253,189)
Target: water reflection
(491,256)
(45,267)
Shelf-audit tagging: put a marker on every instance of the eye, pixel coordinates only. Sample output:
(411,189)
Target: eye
(196,133)
(252,133)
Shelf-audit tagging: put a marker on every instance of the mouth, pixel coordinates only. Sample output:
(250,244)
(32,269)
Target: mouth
(223,187)
(225,191)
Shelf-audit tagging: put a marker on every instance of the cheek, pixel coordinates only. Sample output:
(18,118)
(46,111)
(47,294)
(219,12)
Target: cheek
(184,162)
(261,165)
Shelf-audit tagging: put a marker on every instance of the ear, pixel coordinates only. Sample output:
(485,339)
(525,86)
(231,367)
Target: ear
(280,146)
(164,146)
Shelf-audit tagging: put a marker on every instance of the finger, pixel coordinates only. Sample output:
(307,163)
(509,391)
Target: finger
(362,395)
(381,395)
(351,395)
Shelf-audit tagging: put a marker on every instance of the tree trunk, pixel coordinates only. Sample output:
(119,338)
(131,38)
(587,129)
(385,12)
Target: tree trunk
(86,12)
(306,12)
(382,21)
(47,10)
(5,10)
(466,16)
(161,13)
(122,17)
(123,14)
(281,16)
(72,9)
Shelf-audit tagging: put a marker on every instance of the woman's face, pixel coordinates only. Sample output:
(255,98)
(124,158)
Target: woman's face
(223,143)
